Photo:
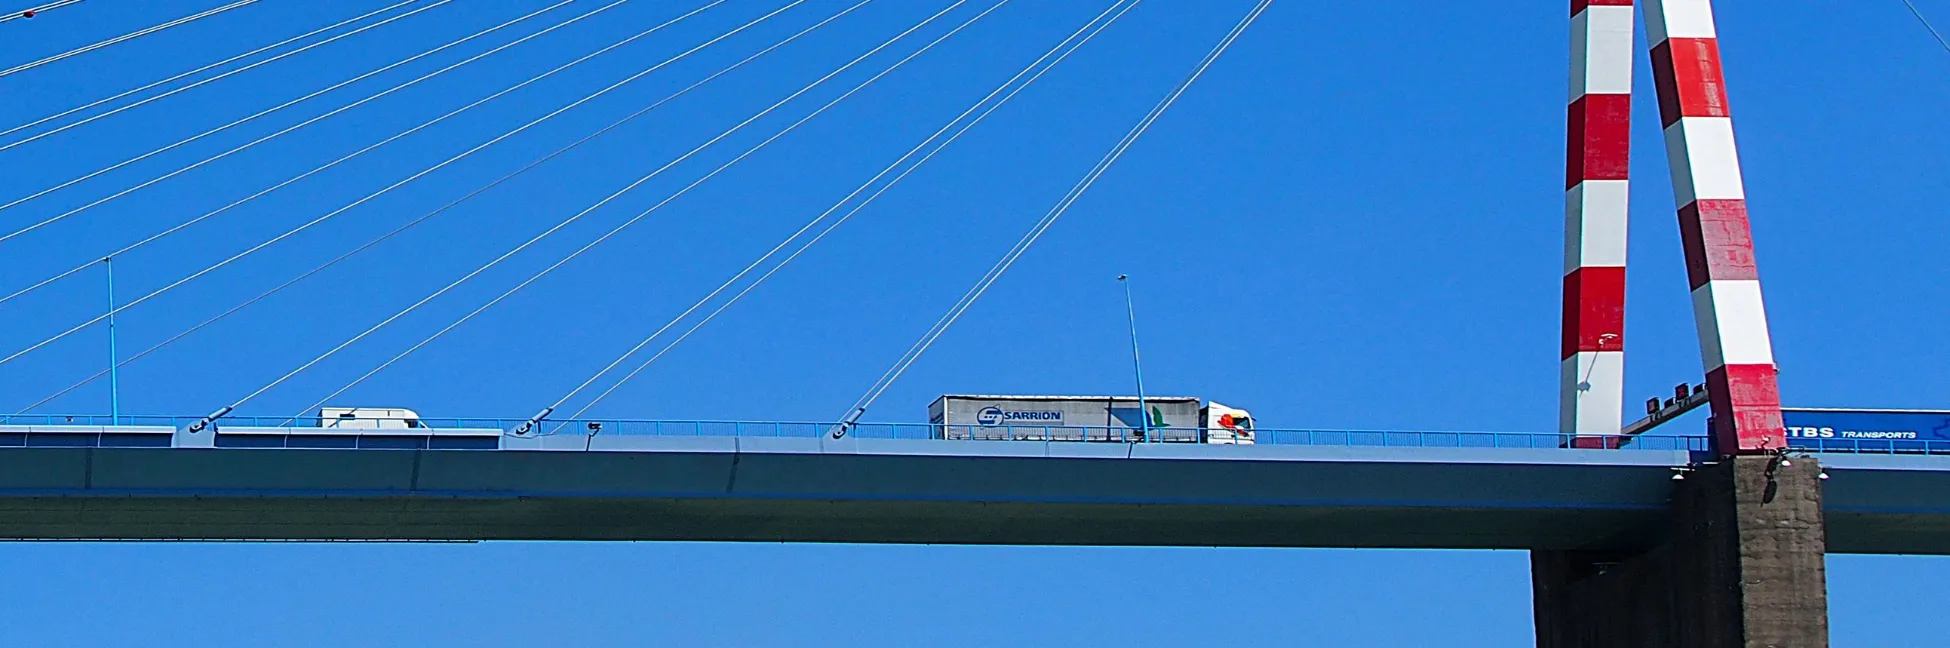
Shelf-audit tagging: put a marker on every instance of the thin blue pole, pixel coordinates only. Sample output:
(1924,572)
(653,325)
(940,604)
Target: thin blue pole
(1137,364)
(114,373)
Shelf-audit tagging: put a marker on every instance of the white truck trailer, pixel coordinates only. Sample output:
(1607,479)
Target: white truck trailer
(1167,419)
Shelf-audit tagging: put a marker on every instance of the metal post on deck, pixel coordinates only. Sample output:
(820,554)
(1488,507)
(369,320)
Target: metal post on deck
(114,359)
(1137,364)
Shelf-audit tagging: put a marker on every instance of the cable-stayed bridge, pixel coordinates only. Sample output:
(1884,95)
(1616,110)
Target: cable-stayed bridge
(1718,526)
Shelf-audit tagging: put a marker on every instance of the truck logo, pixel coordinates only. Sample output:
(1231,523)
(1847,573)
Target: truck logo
(1811,432)
(1830,433)
(1135,418)
(993,416)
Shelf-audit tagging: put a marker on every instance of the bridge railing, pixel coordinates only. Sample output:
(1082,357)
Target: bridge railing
(301,422)
(13,425)
(779,429)
(1871,446)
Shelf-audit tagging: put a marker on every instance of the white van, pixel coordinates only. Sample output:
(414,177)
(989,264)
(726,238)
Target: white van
(369,418)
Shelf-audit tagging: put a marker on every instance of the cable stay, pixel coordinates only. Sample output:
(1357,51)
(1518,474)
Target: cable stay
(907,359)
(424,125)
(111,113)
(459,201)
(116,40)
(240,122)
(1918,12)
(307,225)
(200,70)
(933,145)
(645,213)
(300,125)
(25,14)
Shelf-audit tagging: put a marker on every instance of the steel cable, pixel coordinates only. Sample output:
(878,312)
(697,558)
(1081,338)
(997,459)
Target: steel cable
(320,169)
(1940,40)
(645,213)
(220,77)
(300,125)
(294,231)
(123,38)
(1042,226)
(1069,45)
(35,11)
(463,199)
(201,70)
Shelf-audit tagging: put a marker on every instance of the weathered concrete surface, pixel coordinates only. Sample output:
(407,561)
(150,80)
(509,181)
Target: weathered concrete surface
(1744,565)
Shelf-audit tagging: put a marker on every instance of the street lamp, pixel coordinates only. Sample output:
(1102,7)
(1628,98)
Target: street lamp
(114,359)
(1137,364)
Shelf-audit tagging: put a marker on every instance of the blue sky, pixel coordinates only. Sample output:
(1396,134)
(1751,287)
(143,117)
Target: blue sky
(1354,220)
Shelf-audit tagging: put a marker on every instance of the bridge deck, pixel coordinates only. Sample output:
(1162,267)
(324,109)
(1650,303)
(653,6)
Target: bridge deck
(902,491)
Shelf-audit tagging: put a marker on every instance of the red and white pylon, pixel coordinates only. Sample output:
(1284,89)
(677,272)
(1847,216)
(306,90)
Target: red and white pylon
(1735,347)
(1592,394)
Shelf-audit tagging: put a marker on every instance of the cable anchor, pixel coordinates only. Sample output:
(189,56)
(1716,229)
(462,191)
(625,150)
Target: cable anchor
(529,426)
(839,431)
(205,422)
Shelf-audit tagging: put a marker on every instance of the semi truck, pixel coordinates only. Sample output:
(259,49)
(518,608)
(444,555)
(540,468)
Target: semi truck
(1113,419)
(1866,430)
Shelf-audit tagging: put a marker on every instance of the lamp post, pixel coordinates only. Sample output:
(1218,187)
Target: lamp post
(114,359)
(1137,364)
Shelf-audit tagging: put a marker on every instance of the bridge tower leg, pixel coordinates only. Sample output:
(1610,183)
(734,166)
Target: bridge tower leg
(1735,348)
(1742,561)
(1592,388)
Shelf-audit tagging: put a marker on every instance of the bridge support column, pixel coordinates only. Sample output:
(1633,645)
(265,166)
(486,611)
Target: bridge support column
(1743,565)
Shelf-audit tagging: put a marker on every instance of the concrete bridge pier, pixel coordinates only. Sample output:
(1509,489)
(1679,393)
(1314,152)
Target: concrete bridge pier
(1742,565)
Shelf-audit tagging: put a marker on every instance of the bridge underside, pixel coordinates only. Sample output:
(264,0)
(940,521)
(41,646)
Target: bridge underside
(928,492)
(748,520)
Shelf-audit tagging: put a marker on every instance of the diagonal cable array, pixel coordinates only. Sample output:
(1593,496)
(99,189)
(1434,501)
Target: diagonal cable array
(645,213)
(200,70)
(291,232)
(481,190)
(186,169)
(881,183)
(1042,226)
(933,145)
(220,77)
(119,39)
(422,126)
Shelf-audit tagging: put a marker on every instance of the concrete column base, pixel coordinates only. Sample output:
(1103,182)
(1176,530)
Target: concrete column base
(1744,565)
